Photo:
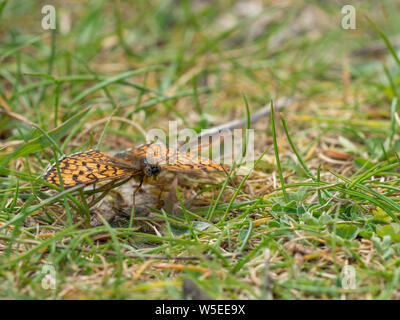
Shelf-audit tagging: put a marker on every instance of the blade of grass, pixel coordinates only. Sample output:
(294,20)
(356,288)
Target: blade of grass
(278,162)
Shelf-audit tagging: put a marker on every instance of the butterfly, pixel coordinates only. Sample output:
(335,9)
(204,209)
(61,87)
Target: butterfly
(146,161)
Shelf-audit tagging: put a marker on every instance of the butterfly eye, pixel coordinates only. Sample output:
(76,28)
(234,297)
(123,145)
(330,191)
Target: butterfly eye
(155,170)
(148,171)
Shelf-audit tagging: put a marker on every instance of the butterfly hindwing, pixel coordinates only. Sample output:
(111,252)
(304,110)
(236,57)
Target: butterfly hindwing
(174,160)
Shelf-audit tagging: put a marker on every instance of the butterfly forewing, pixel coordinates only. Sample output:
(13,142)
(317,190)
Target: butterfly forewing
(89,167)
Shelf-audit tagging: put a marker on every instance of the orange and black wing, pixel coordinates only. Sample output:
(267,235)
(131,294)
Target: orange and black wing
(174,160)
(87,168)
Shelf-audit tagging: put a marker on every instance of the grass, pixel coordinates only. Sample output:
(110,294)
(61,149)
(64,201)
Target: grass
(323,195)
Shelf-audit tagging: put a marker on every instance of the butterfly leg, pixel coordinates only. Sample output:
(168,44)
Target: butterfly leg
(159,201)
(94,195)
(134,195)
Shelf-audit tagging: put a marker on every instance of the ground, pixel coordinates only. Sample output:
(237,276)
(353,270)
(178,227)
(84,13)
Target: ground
(316,216)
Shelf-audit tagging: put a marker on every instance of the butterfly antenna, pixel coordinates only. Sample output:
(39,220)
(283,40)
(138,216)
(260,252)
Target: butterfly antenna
(90,146)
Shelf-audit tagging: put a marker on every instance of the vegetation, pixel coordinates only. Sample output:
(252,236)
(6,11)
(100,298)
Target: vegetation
(315,217)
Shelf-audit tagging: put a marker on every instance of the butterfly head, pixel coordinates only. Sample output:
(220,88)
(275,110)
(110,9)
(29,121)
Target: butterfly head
(151,170)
